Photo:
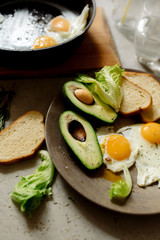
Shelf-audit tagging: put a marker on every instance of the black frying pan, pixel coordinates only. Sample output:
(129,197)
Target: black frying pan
(23,56)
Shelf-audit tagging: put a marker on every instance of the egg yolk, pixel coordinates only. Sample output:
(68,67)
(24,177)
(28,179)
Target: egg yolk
(118,147)
(43,42)
(60,24)
(151,132)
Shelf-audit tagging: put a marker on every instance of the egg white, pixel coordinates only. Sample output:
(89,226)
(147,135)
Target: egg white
(77,25)
(144,154)
(113,164)
(1,18)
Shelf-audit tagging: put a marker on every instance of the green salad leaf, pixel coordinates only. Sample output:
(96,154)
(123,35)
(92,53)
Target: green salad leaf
(106,84)
(122,188)
(30,191)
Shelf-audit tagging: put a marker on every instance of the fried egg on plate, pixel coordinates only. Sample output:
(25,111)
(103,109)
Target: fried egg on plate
(117,149)
(144,140)
(148,161)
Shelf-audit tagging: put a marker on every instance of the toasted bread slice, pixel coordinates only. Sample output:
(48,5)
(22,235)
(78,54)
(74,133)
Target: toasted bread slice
(151,85)
(22,138)
(134,99)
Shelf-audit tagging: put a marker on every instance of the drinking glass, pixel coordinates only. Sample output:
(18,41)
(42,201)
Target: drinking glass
(125,14)
(147,36)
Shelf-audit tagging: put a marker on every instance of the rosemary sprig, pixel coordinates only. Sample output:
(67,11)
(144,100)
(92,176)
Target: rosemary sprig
(5,99)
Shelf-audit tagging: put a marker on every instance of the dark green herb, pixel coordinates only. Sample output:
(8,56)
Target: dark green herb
(5,99)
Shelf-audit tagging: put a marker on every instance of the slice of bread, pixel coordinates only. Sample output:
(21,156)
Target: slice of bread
(151,85)
(134,99)
(22,138)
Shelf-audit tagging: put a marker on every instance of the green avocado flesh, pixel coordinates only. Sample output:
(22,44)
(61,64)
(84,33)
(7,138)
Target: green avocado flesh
(98,109)
(81,138)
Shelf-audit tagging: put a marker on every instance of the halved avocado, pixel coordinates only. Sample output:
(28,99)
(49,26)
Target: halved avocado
(97,109)
(81,138)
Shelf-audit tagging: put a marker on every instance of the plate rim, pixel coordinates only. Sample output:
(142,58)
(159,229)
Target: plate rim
(119,209)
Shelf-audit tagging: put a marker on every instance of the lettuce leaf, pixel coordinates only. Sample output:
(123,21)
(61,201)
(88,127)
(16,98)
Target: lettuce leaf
(107,85)
(121,189)
(30,191)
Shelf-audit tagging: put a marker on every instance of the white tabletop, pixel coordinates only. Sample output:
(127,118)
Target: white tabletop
(68,216)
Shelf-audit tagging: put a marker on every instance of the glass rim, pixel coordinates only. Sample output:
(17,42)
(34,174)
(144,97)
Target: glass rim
(149,6)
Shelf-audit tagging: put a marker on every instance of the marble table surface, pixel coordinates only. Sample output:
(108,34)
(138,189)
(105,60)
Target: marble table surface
(68,215)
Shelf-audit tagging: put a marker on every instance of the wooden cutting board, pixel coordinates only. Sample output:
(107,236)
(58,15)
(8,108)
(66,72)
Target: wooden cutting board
(96,50)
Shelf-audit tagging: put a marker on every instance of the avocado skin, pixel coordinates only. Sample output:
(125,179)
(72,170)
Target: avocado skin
(89,111)
(88,152)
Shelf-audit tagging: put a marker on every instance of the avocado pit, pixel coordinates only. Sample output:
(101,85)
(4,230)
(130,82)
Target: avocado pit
(77,131)
(84,96)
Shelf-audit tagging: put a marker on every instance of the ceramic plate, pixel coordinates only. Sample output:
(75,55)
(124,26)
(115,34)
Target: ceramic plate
(92,184)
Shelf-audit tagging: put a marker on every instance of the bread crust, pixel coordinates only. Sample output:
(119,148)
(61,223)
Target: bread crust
(137,73)
(39,143)
(153,113)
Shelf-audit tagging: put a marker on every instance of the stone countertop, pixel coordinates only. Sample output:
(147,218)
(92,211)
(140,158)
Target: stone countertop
(68,215)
